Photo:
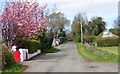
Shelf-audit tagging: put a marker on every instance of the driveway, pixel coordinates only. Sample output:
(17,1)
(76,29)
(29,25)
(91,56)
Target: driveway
(67,60)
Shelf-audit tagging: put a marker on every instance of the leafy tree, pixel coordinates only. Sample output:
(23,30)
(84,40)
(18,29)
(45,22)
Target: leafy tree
(22,19)
(57,23)
(76,25)
(114,31)
(96,26)
(70,36)
(116,23)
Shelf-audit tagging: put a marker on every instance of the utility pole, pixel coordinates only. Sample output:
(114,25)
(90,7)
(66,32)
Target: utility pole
(81,33)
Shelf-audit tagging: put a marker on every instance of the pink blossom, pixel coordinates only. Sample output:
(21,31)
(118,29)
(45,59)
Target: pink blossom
(22,17)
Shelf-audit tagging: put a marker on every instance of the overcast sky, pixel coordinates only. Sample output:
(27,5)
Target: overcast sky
(108,9)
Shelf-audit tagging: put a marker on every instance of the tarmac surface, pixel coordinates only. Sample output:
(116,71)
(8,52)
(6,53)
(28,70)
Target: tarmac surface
(66,60)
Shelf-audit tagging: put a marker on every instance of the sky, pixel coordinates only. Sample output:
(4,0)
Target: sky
(107,9)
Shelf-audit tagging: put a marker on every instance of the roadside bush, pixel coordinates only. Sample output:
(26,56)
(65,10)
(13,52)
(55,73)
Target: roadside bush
(108,42)
(62,39)
(45,39)
(77,38)
(89,39)
(30,44)
(62,36)
(45,42)
(48,41)
(34,45)
(0,40)
(7,57)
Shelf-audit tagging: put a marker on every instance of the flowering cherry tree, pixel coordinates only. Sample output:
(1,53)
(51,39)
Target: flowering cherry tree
(22,19)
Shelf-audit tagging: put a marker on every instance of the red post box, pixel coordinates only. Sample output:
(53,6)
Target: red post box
(17,56)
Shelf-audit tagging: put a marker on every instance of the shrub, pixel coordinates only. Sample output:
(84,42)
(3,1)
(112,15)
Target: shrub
(89,39)
(77,38)
(0,40)
(30,44)
(108,42)
(45,42)
(48,41)
(33,45)
(114,31)
(7,57)
(62,39)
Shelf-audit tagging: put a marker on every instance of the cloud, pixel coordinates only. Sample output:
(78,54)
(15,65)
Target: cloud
(108,9)
(94,8)
(105,8)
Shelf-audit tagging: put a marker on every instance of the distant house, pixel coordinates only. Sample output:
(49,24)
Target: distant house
(107,33)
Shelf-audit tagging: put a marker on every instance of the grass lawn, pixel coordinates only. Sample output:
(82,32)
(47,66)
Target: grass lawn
(91,55)
(113,50)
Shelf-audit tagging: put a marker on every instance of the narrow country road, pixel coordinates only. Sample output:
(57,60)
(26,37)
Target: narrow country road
(67,60)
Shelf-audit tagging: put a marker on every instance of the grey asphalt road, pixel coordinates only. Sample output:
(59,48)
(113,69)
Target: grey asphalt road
(67,60)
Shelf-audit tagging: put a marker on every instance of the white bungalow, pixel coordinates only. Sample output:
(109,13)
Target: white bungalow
(107,33)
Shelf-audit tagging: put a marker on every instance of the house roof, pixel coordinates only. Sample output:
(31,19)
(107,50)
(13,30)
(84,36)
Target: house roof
(107,33)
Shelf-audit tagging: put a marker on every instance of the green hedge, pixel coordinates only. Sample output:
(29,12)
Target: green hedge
(30,44)
(108,42)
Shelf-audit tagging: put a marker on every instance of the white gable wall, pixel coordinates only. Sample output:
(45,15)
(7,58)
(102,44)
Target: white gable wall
(107,33)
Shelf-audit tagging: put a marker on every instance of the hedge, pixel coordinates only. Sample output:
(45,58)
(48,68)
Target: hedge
(30,44)
(108,42)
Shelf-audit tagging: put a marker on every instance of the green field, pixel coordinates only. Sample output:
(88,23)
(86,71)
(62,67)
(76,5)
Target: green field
(113,50)
(102,55)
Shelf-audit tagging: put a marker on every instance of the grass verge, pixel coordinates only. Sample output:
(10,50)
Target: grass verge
(12,69)
(96,55)
(0,40)
(51,50)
